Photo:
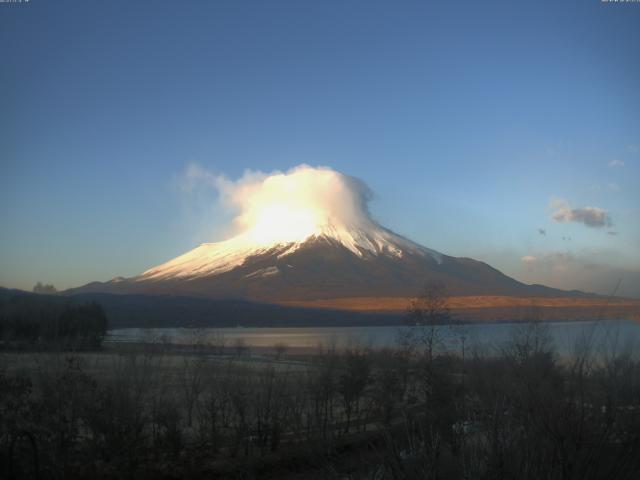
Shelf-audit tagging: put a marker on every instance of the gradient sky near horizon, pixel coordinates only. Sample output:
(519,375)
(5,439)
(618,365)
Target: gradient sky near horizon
(473,122)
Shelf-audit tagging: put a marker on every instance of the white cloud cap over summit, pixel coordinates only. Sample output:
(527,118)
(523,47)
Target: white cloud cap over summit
(303,202)
(291,205)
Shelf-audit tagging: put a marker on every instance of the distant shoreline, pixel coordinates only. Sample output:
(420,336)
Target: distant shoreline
(260,341)
(494,308)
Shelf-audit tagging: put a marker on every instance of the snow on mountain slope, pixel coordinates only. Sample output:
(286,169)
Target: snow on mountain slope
(283,211)
(304,235)
(215,258)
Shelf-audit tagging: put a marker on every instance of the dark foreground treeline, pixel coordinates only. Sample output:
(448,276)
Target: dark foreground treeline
(519,412)
(47,321)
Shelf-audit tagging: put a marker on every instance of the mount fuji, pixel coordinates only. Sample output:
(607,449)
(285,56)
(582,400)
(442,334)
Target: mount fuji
(306,238)
(331,262)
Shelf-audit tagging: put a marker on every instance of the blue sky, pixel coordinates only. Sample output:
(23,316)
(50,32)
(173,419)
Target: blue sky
(465,118)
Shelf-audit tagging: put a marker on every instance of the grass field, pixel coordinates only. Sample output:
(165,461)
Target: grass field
(499,307)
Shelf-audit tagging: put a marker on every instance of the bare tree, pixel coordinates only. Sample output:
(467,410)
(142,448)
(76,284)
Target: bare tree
(427,313)
(390,384)
(47,288)
(191,379)
(280,350)
(191,375)
(353,381)
(321,390)
(241,348)
(218,342)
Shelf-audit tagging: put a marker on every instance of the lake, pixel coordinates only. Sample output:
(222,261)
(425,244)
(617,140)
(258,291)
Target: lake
(613,335)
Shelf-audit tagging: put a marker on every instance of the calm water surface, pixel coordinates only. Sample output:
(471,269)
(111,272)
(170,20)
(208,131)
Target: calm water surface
(611,335)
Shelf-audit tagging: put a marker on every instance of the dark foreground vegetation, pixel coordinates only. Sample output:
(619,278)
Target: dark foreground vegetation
(519,412)
(47,321)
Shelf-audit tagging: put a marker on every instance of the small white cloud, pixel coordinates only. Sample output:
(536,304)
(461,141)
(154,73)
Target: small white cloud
(614,187)
(548,261)
(593,217)
(616,163)
(529,262)
(633,148)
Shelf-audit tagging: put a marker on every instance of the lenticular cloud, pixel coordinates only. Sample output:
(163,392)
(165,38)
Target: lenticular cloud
(300,201)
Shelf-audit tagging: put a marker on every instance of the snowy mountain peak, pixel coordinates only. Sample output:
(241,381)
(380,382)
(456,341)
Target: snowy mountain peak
(281,213)
(215,258)
(307,235)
